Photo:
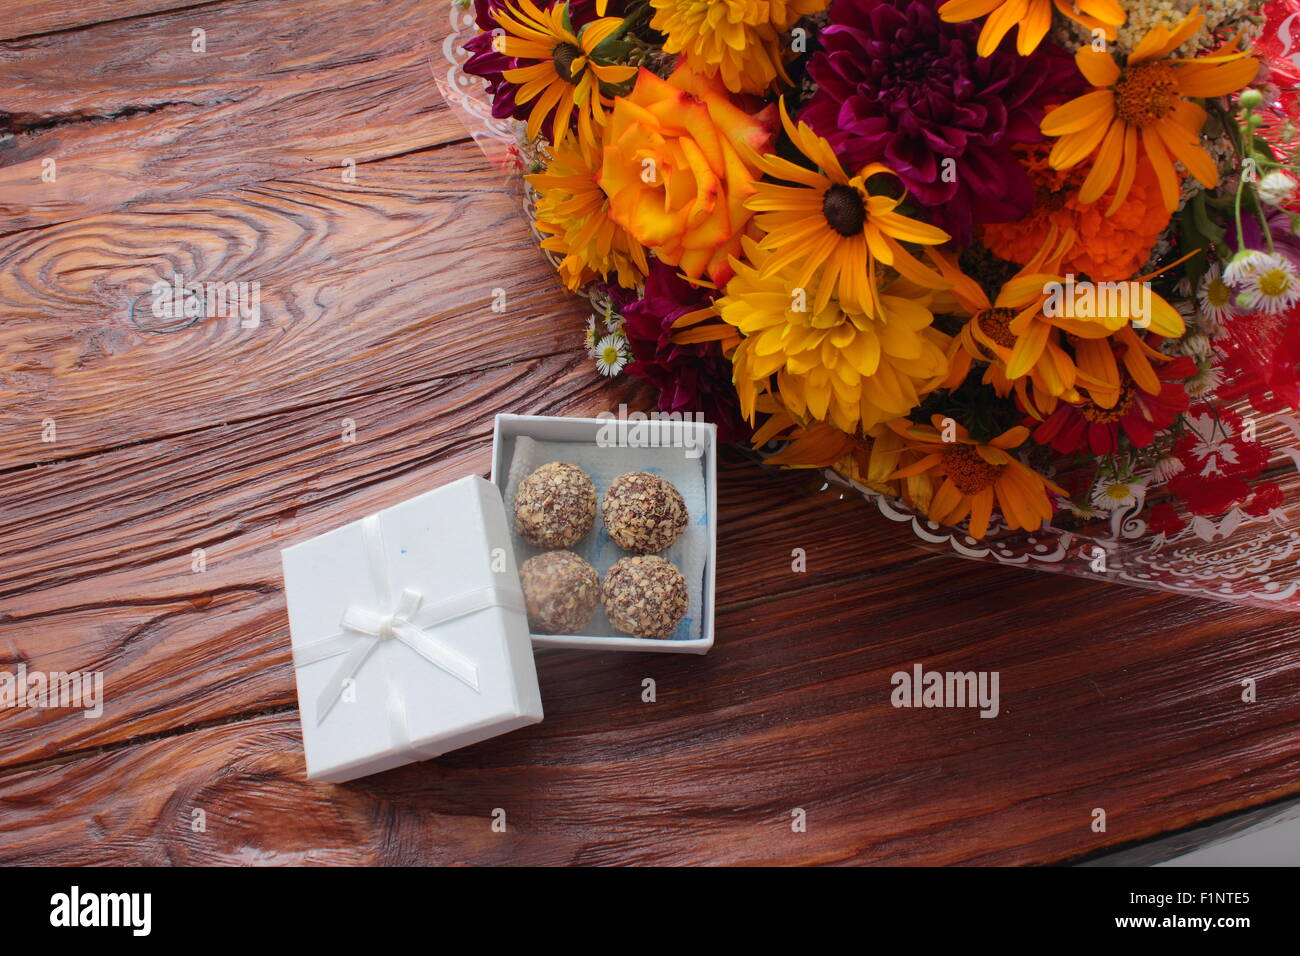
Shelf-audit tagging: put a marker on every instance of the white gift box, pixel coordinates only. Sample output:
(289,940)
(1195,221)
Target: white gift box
(409,634)
(408,626)
(684,452)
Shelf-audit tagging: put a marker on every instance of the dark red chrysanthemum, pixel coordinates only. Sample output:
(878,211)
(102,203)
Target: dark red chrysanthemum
(690,378)
(899,86)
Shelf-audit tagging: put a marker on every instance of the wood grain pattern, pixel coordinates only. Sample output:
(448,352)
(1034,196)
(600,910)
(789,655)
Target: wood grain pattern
(331,324)
(284,87)
(50,16)
(793,713)
(376,308)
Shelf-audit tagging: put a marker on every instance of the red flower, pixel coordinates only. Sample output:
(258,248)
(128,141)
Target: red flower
(1163,519)
(1073,428)
(1268,497)
(690,378)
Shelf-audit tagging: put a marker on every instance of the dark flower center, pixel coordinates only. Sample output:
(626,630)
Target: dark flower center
(564,55)
(844,210)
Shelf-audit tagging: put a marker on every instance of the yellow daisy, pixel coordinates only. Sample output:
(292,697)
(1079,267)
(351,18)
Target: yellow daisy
(832,229)
(1144,109)
(738,39)
(561,75)
(573,212)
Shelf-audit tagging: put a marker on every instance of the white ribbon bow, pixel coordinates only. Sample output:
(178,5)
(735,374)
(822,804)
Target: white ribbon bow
(364,628)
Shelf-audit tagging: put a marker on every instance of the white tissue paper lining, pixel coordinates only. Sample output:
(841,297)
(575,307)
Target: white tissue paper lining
(689,552)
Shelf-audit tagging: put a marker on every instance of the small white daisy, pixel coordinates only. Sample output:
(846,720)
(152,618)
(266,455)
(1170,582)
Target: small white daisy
(1273,286)
(1243,265)
(1166,468)
(1195,344)
(1215,296)
(1111,494)
(611,355)
(613,323)
(590,336)
(1276,187)
(1081,509)
(1205,382)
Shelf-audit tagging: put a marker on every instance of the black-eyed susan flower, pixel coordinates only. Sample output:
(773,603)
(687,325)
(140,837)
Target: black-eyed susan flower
(557,71)
(831,361)
(1144,108)
(829,232)
(970,478)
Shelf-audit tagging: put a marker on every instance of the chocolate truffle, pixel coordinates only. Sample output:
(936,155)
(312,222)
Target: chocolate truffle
(555,506)
(560,592)
(643,513)
(645,596)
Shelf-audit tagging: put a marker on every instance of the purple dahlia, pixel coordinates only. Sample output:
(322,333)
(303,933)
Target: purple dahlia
(898,85)
(690,378)
(487,63)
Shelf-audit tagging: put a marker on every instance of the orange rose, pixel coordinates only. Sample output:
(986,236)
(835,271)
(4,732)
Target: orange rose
(676,170)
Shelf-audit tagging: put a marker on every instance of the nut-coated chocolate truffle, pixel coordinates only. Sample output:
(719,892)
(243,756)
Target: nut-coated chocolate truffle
(555,506)
(643,513)
(645,596)
(561,592)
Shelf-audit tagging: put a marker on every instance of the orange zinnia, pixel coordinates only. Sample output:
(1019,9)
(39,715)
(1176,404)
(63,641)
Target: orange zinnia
(1107,247)
(1145,100)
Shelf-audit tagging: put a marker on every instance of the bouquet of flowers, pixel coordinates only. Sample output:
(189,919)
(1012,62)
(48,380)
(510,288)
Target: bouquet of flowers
(1024,272)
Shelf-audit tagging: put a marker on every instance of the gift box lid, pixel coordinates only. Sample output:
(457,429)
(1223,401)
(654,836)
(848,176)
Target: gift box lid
(409,633)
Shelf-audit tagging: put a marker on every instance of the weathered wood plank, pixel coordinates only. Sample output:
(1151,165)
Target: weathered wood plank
(363,287)
(116,590)
(26,18)
(1137,713)
(284,87)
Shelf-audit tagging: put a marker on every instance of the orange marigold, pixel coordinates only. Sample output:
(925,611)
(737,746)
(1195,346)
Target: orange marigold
(1107,248)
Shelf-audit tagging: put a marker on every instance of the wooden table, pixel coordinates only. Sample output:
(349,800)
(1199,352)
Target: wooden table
(376,308)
